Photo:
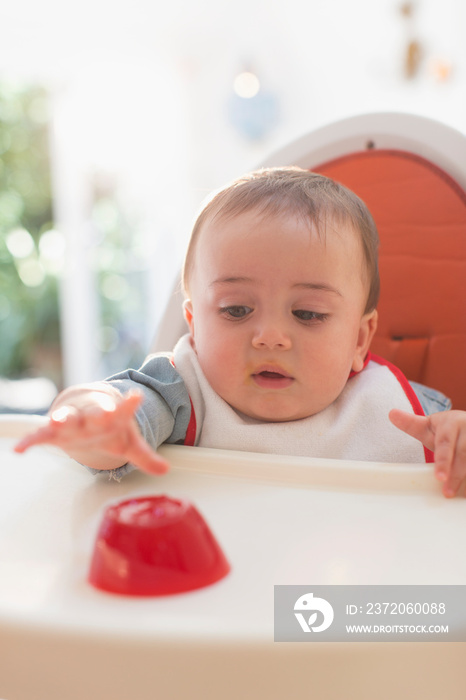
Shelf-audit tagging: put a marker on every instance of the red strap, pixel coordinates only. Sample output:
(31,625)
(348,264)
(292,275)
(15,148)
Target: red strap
(410,393)
(190,438)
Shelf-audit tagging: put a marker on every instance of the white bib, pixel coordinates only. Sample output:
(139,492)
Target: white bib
(355,426)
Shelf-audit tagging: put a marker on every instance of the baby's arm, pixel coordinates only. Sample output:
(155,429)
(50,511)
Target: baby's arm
(445,434)
(95,424)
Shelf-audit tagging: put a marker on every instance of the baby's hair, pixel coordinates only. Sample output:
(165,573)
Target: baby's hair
(318,200)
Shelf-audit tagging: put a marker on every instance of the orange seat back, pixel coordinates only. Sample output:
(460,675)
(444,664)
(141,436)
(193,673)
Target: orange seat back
(420,213)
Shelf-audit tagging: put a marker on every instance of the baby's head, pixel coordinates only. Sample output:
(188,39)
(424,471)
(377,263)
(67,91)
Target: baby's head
(293,192)
(281,279)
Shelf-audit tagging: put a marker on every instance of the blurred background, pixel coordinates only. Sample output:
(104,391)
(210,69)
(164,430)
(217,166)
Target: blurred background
(118,118)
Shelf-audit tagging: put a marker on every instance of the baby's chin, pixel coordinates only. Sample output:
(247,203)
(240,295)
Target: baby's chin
(270,416)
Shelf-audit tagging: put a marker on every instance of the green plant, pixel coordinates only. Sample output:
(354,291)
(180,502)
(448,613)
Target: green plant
(29,313)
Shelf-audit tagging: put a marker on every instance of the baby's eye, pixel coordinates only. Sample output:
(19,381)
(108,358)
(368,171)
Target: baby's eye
(305,315)
(235,312)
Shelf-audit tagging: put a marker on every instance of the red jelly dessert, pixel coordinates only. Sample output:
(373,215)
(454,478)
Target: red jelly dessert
(155,545)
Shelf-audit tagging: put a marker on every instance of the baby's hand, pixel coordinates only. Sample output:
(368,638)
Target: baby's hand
(103,434)
(445,434)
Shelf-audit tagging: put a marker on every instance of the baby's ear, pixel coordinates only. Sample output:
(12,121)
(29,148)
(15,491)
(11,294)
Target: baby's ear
(366,333)
(188,314)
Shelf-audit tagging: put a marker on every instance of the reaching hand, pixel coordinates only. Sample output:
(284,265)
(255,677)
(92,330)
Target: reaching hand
(104,434)
(445,434)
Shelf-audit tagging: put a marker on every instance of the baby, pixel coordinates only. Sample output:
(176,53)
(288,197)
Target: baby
(281,283)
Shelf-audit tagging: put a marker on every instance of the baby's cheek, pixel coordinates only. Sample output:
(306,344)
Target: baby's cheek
(212,364)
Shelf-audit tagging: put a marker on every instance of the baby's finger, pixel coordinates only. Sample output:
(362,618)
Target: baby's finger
(44,435)
(128,405)
(143,456)
(61,422)
(416,426)
(133,399)
(457,474)
(445,444)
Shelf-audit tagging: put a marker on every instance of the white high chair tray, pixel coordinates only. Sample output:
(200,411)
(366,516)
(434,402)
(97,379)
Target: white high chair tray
(279,520)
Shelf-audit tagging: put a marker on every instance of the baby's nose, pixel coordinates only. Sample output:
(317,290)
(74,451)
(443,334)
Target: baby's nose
(271,335)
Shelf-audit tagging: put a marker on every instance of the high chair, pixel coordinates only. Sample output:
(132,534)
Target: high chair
(280,520)
(411,172)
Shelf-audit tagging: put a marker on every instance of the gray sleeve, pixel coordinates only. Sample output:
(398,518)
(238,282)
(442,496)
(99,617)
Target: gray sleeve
(166,410)
(431,400)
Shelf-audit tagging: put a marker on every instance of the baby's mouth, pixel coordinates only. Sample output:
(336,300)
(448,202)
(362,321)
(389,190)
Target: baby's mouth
(272,379)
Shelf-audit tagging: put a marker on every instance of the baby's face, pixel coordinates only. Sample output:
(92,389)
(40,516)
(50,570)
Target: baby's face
(277,315)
